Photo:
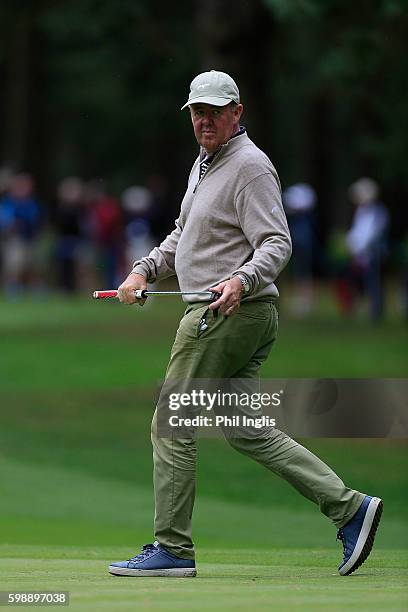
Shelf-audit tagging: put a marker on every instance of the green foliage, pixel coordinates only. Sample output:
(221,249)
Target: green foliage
(324,82)
(293,10)
(352,55)
(231,581)
(116,72)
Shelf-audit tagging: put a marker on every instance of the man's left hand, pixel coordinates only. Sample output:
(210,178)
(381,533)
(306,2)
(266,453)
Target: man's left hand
(230,299)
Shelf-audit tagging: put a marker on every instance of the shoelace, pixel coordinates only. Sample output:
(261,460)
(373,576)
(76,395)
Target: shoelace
(147,549)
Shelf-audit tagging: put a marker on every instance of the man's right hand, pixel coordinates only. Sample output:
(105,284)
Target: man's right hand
(126,291)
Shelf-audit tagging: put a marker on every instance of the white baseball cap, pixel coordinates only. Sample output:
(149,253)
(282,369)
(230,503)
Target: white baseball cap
(214,87)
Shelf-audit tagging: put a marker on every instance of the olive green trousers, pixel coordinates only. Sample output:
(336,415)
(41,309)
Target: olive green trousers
(224,348)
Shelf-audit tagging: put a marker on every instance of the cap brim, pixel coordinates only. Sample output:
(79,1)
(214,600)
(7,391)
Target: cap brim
(213,100)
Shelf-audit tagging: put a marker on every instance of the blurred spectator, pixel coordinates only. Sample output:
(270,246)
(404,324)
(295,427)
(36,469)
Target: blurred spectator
(367,244)
(137,205)
(299,201)
(339,261)
(405,290)
(69,224)
(105,225)
(20,221)
(402,253)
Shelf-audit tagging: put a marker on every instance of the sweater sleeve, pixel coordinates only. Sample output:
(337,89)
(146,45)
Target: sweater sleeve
(159,264)
(263,221)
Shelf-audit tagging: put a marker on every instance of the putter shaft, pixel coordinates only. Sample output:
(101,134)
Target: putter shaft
(144,293)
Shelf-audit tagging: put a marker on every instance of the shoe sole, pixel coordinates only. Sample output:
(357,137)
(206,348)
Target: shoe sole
(177,572)
(366,538)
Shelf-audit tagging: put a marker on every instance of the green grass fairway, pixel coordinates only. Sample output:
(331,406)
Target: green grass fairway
(78,380)
(238,580)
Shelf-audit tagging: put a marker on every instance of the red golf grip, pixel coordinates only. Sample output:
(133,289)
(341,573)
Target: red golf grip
(100,295)
(112,293)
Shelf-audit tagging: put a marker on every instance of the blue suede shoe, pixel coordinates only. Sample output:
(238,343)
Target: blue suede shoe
(154,560)
(358,534)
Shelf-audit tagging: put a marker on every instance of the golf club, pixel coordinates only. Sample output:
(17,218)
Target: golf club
(144,293)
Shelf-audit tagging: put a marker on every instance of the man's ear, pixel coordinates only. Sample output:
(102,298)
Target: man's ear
(238,110)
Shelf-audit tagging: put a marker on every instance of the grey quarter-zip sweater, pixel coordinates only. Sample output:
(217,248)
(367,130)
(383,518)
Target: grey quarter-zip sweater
(231,221)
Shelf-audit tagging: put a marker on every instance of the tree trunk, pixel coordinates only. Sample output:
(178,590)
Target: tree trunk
(16,92)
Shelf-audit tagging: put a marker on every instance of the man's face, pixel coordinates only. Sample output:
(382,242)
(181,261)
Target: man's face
(214,125)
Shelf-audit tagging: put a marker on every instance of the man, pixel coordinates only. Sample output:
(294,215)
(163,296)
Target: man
(20,225)
(367,243)
(232,237)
